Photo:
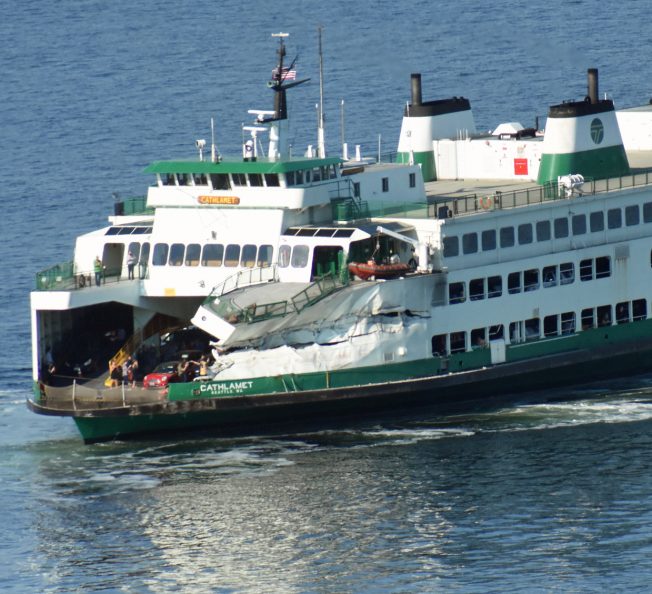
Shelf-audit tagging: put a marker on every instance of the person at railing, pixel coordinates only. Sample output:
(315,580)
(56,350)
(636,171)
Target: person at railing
(97,268)
(131,264)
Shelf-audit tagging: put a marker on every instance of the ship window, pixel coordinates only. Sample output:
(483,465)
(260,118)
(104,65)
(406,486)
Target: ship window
(496,332)
(587,319)
(316,174)
(438,345)
(622,312)
(200,179)
(308,232)
(647,212)
(385,184)
(271,180)
(515,332)
(307,175)
(298,175)
(144,258)
(568,323)
(356,189)
(476,289)
(549,276)
(183,179)
(632,215)
(168,180)
(566,273)
(141,230)
(602,267)
(531,279)
(604,315)
(514,283)
(550,326)
(543,230)
(265,253)
(561,228)
(325,233)
(451,246)
(494,286)
(192,254)
(112,231)
(144,254)
(125,230)
(220,181)
(458,342)
(160,257)
(532,331)
(332,173)
(232,255)
(639,309)
(614,218)
(456,293)
(506,237)
(470,243)
(248,258)
(300,255)
(413,180)
(343,233)
(212,254)
(596,220)
(255,180)
(239,179)
(525,234)
(176,254)
(579,224)
(586,270)
(488,240)
(478,338)
(284,256)
(289,178)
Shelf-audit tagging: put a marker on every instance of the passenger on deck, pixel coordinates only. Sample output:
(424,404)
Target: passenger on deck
(131,264)
(97,267)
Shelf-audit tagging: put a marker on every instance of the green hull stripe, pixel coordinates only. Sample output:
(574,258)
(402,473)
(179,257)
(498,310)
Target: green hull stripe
(632,335)
(424,158)
(597,164)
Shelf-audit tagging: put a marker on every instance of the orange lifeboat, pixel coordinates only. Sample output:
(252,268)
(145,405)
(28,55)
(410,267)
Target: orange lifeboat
(370,269)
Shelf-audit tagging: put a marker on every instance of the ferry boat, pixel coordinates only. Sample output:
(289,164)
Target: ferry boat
(470,264)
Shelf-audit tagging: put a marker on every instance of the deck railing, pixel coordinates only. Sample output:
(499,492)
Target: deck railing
(451,206)
(65,277)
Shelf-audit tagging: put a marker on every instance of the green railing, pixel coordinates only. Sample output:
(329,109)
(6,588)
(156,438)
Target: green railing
(323,286)
(64,277)
(450,206)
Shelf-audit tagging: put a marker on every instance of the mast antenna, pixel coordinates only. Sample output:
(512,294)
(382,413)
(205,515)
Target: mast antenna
(321,145)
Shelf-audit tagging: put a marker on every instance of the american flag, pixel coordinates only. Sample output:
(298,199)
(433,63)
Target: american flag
(287,74)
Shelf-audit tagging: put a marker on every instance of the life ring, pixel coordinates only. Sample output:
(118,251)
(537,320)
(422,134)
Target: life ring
(485,202)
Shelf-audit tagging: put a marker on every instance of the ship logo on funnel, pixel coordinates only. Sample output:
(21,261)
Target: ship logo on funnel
(597,131)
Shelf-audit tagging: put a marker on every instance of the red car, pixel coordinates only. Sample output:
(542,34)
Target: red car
(163,374)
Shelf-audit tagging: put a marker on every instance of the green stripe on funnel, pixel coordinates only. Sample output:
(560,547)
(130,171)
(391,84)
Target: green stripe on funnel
(424,158)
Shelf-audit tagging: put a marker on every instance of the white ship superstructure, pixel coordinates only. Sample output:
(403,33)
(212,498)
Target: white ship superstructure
(316,274)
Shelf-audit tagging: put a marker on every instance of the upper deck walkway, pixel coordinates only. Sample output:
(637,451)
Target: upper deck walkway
(451,198)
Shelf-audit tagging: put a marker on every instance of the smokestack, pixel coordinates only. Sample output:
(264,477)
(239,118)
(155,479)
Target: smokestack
(593,85)
(416,89)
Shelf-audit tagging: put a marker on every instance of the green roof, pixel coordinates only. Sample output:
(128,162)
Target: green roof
(261,165)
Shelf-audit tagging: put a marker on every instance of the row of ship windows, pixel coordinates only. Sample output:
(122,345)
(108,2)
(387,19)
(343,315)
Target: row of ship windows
(535,328)
(210,254)
(217,254)
(561,227)
(226,181)
(530,280)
